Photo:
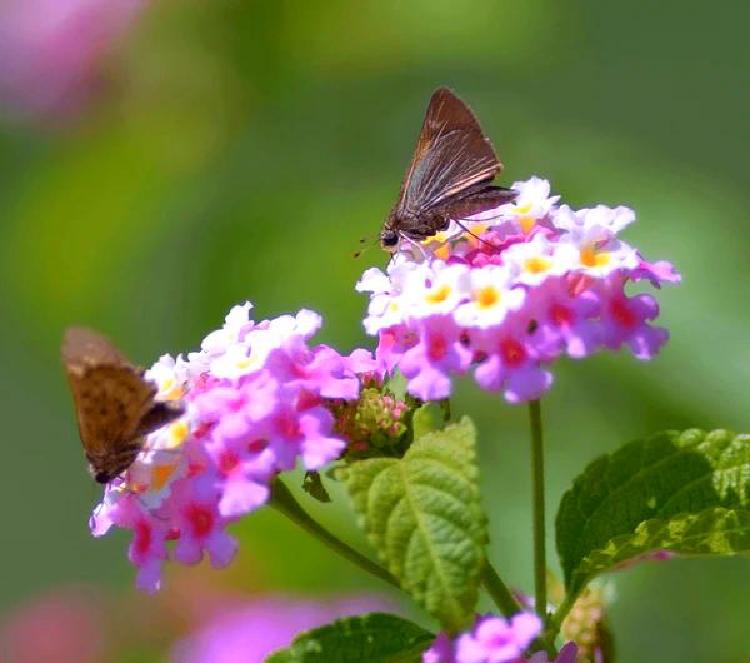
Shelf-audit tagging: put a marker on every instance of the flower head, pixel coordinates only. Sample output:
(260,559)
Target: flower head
(256,401)
(491,640)
(510,292)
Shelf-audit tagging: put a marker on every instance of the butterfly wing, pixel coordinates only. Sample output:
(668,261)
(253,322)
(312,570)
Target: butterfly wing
(111,397)
(452,154)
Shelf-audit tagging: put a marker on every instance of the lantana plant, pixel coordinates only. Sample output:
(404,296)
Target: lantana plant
(500,296)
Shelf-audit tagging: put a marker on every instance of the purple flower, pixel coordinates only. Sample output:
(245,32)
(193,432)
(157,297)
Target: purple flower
(438,354)
(251,633)
(529,282)
(491,640)
(508,359)
(567,655)
(256,405)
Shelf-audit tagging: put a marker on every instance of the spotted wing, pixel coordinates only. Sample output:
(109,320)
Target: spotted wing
(111,397)
(452,154)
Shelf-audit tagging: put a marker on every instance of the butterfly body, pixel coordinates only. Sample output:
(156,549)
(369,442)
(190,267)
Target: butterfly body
(114,404)
(449,176)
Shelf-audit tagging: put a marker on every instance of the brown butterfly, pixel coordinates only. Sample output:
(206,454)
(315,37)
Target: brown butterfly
(449,175)
(114,404)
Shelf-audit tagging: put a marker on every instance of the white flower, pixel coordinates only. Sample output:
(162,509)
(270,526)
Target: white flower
(538,259)
(599,259)
(533,203)
(250,355)
(387,303)
(373,280)
(593,225)
(170,375)
(435,291)
(491,297)
(236,323)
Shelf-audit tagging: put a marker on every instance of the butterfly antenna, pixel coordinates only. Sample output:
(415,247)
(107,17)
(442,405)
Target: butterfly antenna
(474,235)
(365,243)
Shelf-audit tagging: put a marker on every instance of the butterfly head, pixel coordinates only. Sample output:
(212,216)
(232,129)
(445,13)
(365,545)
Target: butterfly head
(101,476)
(389,239)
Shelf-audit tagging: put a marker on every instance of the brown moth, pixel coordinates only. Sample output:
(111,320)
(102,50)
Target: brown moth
(114,404)
(449,176)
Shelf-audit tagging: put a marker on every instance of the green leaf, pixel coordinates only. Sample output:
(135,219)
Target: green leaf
(313,485)
(686,492)
(422,513)
(428,418)
(373,638)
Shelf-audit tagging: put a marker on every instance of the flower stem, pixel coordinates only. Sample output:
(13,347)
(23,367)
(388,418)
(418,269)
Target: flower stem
(283,500)
(537,480)
(498,590)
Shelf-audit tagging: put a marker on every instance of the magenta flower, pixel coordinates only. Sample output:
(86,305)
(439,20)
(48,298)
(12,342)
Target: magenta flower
(529,282)
(509,359)
(438,354)
(251,633)
(567,655)
(491,640)
(256,405)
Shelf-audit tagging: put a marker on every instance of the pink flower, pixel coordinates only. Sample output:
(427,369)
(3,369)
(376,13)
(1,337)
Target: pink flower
(49,50)
(256,398)
(429,364)
(565,320)
(625,321)
(509,360)
(249,634)
(66,626)
(533,281)
(491,640)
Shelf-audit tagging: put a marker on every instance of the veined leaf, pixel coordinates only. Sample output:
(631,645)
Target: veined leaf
(684,492)
(373,638)
(423,515)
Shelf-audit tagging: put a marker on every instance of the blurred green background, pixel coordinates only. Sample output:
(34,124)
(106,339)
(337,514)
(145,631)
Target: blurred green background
(232,150)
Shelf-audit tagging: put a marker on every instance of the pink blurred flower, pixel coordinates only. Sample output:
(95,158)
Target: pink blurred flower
(50,50)
(248,634)
(65,626)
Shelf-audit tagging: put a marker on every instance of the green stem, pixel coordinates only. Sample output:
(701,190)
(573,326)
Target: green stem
(556,620)
(498,590)
(537,480)
(283,500)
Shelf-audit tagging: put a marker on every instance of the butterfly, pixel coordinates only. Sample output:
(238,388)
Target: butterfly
(449,176)
(114,403)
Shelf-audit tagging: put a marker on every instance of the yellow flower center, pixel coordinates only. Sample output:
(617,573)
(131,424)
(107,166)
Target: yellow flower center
(443,252)
(438,295)
(523,210)
(439,237)
(590,257)
(178,433)
(527,224)
(537,265)
(487,297)
(170,390)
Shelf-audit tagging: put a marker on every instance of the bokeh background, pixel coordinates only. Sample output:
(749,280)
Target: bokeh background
(162,161)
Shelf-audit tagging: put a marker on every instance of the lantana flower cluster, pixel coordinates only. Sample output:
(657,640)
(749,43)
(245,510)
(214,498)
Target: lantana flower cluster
(495,640)
(509,291)
(255,400)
